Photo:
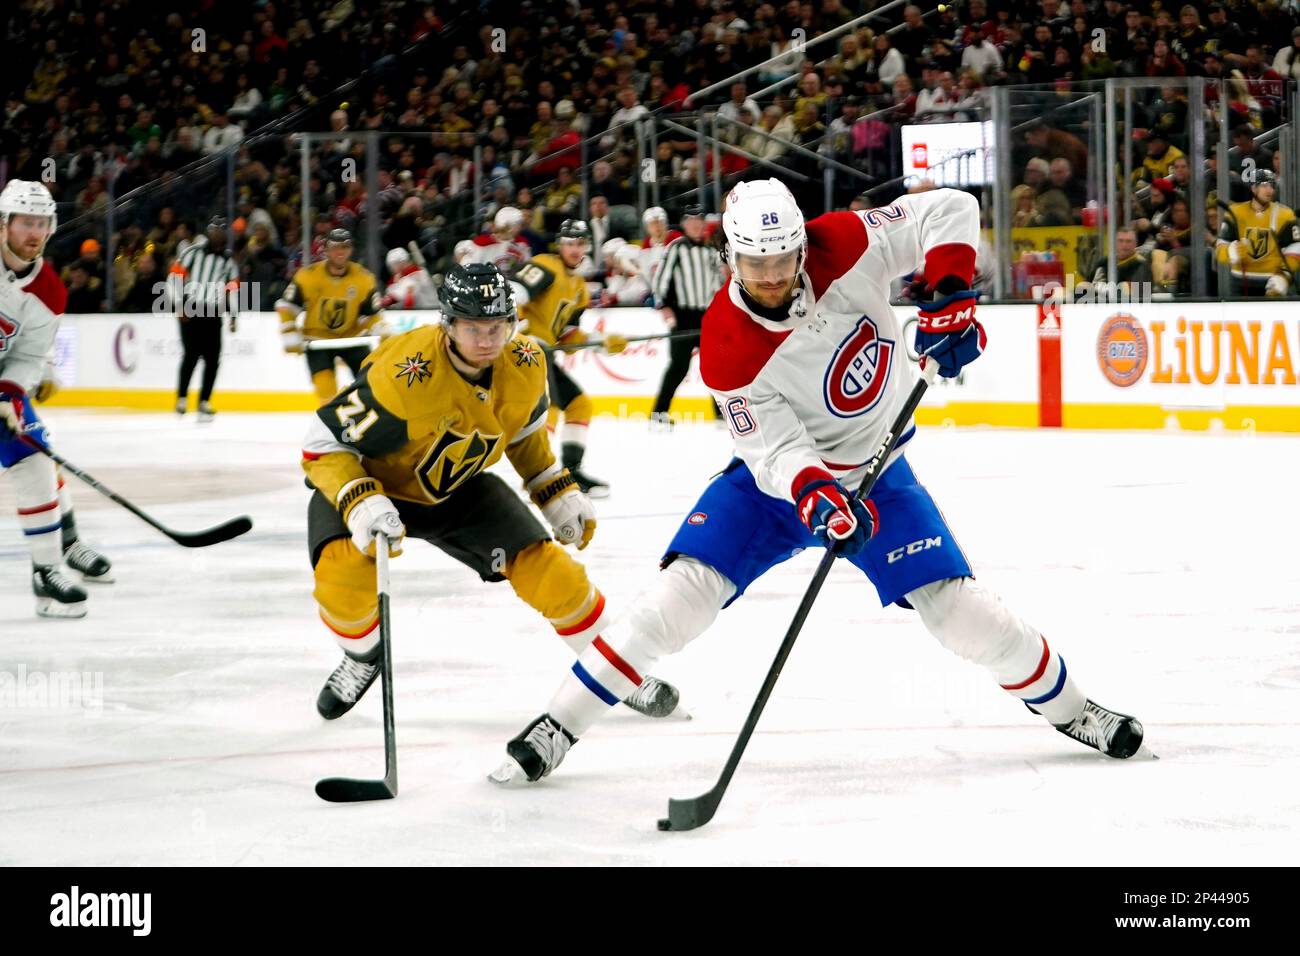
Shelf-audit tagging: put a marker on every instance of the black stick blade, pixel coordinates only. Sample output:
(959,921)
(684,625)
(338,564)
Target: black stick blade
(347,790)
(222,532)
(691,814)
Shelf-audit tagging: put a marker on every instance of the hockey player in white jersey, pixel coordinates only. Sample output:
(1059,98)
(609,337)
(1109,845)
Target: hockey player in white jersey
(803,353)
(410,286)
(27,329)
(502,247)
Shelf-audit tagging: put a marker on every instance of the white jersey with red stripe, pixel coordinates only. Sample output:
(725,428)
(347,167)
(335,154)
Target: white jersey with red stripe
(27,327)
(651,254)
(506,254)
(412,288)
(820,388)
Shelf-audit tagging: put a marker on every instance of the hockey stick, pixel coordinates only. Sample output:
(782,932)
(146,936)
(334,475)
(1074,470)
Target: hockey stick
(600,343)
(347,789)
(189,539)
(318,345)
(695,812)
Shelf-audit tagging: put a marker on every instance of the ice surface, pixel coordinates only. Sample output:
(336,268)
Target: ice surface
(1163,566)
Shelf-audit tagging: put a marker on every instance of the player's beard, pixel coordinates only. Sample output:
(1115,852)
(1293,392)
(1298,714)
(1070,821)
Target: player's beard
(25,256)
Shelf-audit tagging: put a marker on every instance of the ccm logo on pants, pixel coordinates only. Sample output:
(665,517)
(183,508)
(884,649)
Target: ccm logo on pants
(916,547)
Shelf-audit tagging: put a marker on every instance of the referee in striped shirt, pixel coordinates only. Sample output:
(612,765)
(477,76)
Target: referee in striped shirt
(691,274)
(203,282)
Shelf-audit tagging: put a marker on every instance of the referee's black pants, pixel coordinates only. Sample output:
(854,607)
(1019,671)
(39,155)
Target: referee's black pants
(679,356)
(201,339)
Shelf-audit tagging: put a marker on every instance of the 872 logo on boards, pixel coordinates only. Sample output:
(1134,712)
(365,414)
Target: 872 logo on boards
(1122,350)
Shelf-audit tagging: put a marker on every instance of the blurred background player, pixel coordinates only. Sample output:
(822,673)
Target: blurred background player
(27,328)
(406,448)
(552,297)
(31,216)
(805,355)
(410,286)
(503,246)
(624,282)
(654,245)
(1260,239)
(337,299)
(203,282)
(686,282)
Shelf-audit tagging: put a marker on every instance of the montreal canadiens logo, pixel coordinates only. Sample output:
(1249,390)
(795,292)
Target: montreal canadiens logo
(698,518)
(858,371)
(1122,350)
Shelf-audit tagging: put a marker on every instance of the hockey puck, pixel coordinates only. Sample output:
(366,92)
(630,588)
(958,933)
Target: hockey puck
(665,824)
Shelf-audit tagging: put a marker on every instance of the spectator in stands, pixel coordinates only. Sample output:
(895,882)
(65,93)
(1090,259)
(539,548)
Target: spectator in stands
(146,288)
(1023,210)
(221,135)
(889,61)
(740,102)
(1035,175)
(1061,178)
(620,130)
(1245,157)
(1133,274)
(982,56)
(85,292)
(912,40)
(1049,143)
(935,104)
(1286,62)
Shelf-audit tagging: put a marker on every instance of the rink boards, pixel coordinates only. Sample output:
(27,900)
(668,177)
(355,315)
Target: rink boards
(1145,366)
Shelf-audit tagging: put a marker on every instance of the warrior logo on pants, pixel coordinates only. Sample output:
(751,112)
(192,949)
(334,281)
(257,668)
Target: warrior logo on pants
(858,371)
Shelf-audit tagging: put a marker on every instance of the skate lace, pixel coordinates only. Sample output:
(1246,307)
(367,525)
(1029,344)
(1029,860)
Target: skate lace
(349,678)
(55,581)
(79,556)
(1097,726)
(550,742)
(645,694)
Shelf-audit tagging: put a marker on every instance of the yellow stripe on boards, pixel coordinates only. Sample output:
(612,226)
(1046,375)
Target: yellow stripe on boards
(1261,418)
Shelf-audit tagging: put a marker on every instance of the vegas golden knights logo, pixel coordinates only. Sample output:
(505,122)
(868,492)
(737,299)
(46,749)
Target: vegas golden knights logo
(1257,241)
(453,459)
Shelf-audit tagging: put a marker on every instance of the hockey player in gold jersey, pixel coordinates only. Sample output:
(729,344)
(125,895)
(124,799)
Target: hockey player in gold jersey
(405,450)
(337,299)
(552,298)
(1260,240)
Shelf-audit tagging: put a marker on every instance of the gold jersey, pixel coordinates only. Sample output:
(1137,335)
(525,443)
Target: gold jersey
(557,297)
(334,307)
(1266,236)
(415,424)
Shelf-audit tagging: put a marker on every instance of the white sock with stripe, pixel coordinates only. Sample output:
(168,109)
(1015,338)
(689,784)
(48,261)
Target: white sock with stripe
(679,607)
(36,491)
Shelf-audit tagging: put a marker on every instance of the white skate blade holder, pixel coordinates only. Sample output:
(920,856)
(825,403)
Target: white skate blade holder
(509,774)
(48,607)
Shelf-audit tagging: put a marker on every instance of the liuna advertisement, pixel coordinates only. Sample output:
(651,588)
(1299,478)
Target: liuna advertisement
(1189,365)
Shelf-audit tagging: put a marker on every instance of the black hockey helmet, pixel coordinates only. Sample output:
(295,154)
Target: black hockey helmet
(1262,176)
(218,224)
(339,237)
(476,291)
(575,230)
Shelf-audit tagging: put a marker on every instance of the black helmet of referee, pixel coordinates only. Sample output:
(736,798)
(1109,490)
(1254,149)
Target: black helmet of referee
(476,291)
(338,237)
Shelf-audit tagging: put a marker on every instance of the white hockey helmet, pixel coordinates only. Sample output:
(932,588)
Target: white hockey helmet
(462,251)
(619,254)
(654,214)
(508,219)
(23,197)
(762,219)
(397,259)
